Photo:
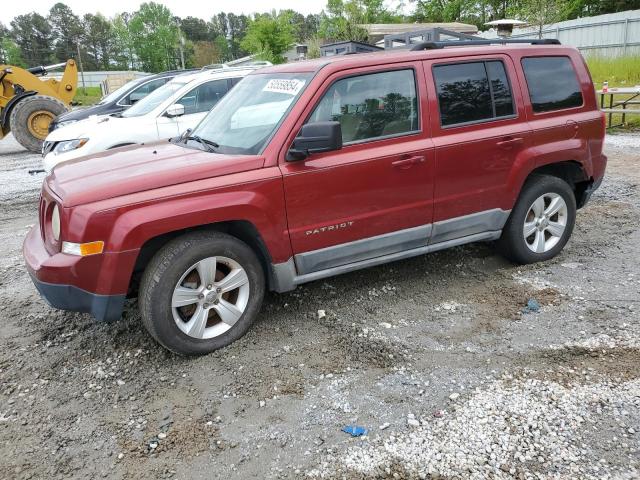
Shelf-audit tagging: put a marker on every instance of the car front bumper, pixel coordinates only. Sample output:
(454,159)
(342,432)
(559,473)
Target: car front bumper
(68,297)
(59,278)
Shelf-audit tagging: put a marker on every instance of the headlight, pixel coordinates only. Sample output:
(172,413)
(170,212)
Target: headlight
(83,249)
(69,145)
(55,223)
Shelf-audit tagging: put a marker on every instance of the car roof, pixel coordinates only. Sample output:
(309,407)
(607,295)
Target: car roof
(404,55)
(202,74)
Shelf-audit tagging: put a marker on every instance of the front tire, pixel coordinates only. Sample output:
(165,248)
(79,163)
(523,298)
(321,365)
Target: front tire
(541,222)
(30,119)
(201,292)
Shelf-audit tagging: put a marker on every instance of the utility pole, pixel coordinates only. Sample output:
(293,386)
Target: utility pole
(84,87)
(182,51)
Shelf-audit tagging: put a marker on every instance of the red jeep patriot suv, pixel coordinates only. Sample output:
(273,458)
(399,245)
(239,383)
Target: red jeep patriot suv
(317,168)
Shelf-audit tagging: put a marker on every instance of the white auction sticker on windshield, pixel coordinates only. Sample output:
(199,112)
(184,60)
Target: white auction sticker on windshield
(281,85)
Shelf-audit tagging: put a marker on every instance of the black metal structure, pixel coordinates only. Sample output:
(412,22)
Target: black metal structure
(471,43)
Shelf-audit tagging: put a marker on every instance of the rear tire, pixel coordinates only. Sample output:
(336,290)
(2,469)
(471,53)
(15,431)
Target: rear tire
(541,222)
(201,292)
(30,118)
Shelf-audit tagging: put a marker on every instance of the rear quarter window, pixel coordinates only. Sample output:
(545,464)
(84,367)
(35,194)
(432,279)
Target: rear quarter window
(552,83)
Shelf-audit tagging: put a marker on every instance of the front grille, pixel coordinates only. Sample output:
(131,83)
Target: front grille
(41,212)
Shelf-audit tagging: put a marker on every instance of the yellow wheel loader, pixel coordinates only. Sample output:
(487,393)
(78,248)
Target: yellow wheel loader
(29,103)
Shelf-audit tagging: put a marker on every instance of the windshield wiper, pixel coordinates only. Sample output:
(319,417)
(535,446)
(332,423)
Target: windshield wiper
(208,144)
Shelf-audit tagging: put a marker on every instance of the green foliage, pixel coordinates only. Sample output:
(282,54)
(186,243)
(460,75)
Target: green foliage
(10,53)
(32,33)
(87,96)
(269,35)
(149,39)
(543,12)
(99,42)
(619,72)
(66,31)
(342,19)
(123,47)
(155,36)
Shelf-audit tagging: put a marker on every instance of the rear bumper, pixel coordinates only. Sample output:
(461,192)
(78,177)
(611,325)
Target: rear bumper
(586,195)
(74,299)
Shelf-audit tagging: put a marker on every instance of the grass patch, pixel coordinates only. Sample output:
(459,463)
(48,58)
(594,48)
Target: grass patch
(87,96)
(619,72)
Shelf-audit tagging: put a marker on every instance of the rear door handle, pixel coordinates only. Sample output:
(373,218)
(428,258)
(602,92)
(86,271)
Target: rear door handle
(509,142)
(408,162)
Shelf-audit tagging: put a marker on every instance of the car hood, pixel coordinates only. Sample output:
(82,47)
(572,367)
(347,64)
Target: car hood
(82,113)
(128,170)
(88,127)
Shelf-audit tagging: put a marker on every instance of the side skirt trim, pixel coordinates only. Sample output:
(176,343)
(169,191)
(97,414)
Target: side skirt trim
(286,278)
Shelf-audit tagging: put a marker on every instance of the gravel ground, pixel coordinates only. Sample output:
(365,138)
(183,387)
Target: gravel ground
(433,355)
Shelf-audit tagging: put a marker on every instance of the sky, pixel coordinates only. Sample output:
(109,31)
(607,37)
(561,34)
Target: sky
(181,8)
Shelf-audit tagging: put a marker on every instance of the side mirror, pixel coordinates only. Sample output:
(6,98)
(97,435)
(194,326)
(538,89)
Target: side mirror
(316,138)
(174,110)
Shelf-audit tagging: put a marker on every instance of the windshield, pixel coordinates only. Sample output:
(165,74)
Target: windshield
(155,98)
(120,91)
(244,120)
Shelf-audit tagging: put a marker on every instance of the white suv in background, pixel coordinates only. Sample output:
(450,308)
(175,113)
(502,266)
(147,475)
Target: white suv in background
(167,112)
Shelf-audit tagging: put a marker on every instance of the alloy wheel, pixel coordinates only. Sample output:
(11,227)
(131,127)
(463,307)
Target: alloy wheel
(545,222)
(210,297)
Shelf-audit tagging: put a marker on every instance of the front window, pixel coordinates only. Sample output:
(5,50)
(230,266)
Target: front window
(204,97)
(244,120)
(154,99)
(371,106)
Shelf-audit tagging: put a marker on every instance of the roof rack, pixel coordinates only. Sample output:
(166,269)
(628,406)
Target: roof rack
(470,43)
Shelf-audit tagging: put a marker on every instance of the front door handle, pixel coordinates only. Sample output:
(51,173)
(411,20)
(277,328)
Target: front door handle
(510,142)
(408,162)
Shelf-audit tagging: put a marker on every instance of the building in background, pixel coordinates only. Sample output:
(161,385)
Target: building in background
(347,46)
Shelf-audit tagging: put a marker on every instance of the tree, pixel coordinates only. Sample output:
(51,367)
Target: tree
(196,29)
(543,12)
(32,34)
(342,20)
(586,8)
(269,35)
(466,11)
(9,51)
(237,31)
(98,41)
(205,53)
(155,37)
(123,48)
(66,31)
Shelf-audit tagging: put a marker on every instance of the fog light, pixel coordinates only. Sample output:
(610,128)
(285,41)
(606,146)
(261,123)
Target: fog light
(83,249)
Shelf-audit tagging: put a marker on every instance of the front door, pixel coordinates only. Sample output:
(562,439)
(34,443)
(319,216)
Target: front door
(374,196)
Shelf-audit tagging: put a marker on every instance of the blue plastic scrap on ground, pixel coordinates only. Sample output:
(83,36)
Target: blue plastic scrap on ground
(354,430)
(532,306)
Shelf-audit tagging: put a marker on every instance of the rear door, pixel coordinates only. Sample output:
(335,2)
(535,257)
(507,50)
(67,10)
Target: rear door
(374,196)
(479,130)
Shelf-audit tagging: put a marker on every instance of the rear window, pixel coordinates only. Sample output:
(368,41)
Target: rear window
(472,92)
(552,83)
